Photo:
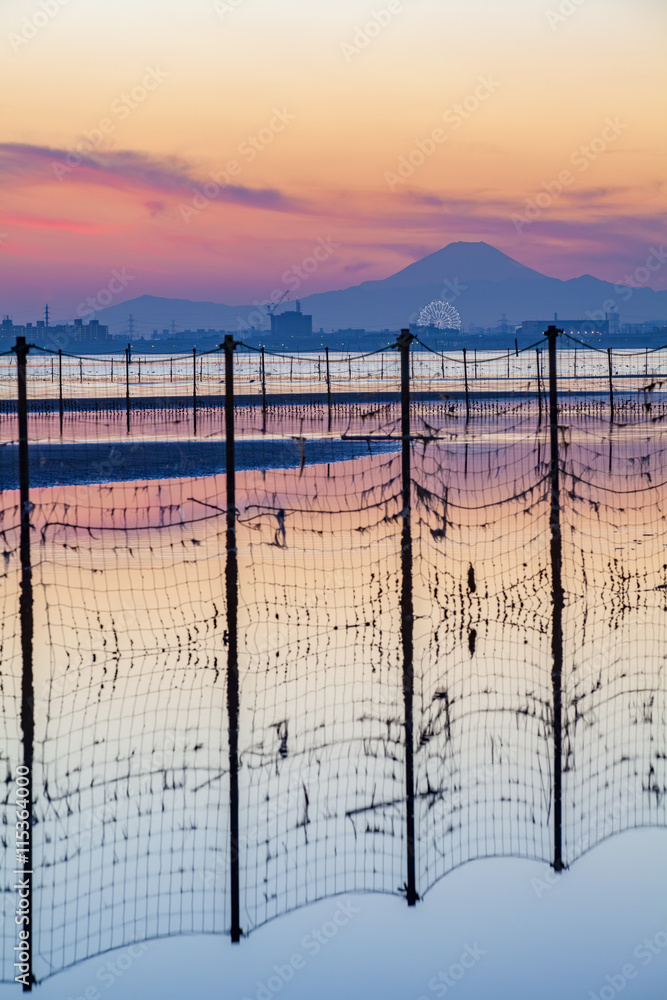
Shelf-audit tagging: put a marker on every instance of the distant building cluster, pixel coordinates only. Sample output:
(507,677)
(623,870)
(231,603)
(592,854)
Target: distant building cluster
(292,330)
(534,328)
(62,335)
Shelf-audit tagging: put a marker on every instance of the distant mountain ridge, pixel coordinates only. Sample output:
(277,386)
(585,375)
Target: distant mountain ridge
(479,280)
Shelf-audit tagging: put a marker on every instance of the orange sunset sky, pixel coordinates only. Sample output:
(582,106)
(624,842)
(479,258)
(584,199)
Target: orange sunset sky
(391,128)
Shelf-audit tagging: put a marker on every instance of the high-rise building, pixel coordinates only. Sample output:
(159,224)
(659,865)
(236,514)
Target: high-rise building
(614,321)
(291,325)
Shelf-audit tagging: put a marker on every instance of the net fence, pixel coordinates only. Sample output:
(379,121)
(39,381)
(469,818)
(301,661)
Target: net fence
(393,621)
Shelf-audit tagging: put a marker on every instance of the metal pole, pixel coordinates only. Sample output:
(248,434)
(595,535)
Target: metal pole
(407,615)
(475,361)
(326,353)
(231,581)
(127,386)
(557,602)
(60,389)
(26,620)
(465,379)
(611,386)
(263,366)
(539,383)
(194,391)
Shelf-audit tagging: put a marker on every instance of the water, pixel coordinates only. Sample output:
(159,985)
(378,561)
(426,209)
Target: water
(132,758)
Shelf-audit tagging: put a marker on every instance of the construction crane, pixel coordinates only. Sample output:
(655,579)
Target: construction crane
(273,307)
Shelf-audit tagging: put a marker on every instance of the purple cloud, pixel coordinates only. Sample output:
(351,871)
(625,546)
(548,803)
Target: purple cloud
(167,175)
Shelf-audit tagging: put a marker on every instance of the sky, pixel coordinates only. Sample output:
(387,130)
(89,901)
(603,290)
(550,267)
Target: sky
(203,147)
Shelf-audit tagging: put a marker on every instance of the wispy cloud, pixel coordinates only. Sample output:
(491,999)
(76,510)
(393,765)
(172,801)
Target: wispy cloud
(358,266)
(25,221)
(25,164)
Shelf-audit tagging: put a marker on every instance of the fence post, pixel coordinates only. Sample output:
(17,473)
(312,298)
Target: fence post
(407,614)
(231,583)
(60,389)
(539,384)
(26,621)
(326,353)
(465,380)
(557,602)
(194,391)
(611,386)
(127,386)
